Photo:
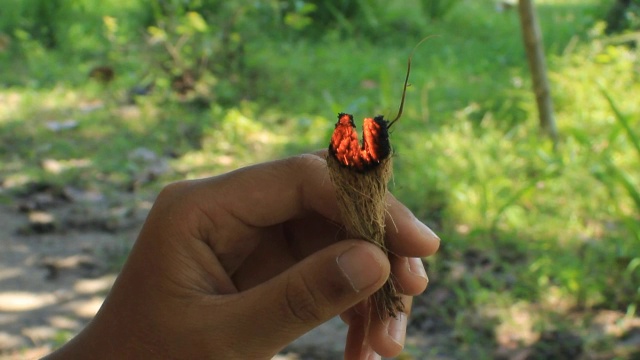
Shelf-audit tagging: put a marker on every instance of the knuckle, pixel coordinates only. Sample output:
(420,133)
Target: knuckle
(306,162)
(174,188)
(173,192)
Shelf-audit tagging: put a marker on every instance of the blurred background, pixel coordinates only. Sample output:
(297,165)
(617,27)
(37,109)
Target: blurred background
(102,103)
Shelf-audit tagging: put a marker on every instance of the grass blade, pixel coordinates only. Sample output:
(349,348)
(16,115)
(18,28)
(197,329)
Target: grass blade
(623,121)
(626,182)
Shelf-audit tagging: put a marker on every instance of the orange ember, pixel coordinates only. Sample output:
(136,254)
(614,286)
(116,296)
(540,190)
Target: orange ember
(348,151)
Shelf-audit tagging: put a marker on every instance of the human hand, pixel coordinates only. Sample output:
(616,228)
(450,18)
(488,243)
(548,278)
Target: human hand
(239,265)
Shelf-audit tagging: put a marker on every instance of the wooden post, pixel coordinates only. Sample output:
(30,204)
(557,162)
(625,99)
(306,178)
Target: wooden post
(535,54)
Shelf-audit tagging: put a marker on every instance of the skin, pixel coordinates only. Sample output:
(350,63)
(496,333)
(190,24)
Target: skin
(239,265)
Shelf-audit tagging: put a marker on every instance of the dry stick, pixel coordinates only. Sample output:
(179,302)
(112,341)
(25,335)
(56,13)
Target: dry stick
(360,175)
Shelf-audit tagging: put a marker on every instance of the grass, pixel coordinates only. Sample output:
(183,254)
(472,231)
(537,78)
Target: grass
(534,240)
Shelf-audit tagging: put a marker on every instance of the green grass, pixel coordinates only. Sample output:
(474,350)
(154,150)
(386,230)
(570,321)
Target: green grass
(548,237)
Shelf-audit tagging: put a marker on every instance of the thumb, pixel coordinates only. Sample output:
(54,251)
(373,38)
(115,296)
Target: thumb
(313,291)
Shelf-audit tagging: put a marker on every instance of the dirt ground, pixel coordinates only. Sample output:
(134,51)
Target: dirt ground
(52,280)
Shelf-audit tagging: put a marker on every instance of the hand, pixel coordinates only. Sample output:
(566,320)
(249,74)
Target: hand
(239,265)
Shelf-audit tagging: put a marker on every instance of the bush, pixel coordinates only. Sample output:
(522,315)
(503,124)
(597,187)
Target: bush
(438,9)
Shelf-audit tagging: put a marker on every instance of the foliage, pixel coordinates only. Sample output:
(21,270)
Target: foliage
(438,9)
(315,18)
(623,15)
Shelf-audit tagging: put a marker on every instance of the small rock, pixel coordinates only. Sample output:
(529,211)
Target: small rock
(57,126)
(79,195)
(52,166)
(84,266)
(41,222)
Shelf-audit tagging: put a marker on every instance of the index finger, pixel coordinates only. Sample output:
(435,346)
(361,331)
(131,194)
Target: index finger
(272,193)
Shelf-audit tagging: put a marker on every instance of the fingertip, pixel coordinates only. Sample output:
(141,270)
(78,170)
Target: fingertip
(416,267)
(410,277)
(406,234)
(387,337)
(397,329)
(364,265)
(369,354)
(431,239)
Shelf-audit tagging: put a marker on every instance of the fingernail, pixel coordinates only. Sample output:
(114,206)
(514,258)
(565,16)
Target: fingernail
(360,267)
(425,230)
(416,267)
(374,356)
(397,328)
(368,353)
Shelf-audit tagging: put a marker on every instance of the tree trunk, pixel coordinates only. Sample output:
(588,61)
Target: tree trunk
(535,54)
